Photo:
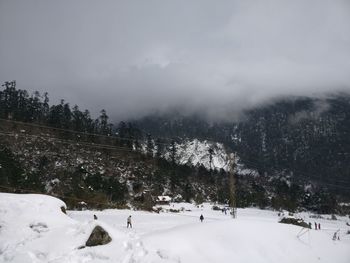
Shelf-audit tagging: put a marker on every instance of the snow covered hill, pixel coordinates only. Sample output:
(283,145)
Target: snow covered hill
(33,229)
(196,152)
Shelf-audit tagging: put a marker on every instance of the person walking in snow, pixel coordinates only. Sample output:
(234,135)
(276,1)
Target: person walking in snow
(335,236)
(201,218)
(319,226)
(128,222)
(315,226)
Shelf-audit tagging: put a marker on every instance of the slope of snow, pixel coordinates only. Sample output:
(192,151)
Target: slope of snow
(255,236)
(197,152)
(34,229)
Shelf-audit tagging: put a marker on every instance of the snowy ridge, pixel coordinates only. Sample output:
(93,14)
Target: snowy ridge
(196,152)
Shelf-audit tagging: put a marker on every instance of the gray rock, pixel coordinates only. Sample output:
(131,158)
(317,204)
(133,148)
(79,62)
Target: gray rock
(294,221)
(98,237)
(63,209)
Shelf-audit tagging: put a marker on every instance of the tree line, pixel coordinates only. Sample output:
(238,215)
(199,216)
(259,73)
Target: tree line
(19,105)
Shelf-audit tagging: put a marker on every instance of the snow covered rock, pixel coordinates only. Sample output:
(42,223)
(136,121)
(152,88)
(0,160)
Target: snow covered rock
(98,237)
(294,221)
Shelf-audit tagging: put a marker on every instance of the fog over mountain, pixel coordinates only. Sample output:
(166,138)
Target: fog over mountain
(137,57)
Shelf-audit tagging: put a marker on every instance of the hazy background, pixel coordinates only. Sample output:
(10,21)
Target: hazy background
(136,57)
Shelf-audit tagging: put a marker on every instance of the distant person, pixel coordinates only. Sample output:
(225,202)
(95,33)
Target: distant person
(201,218)
(310,225)
(315,226)
(334,236)
(319,226)
(95,217)
(128,222)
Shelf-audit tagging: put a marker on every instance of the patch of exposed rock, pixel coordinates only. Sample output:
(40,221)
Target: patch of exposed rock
(98,237)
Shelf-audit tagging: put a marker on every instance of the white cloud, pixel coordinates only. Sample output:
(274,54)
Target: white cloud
(135,57)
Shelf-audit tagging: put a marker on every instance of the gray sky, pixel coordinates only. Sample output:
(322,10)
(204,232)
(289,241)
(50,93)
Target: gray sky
(135,57)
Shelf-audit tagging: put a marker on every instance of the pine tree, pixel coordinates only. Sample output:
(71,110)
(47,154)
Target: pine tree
(103,122)
(149,146)
(173,152)
(77,119)
(159,148)
(211,152)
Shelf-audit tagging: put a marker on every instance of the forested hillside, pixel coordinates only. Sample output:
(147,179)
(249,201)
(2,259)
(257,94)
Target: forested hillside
(63,151)
(305,138)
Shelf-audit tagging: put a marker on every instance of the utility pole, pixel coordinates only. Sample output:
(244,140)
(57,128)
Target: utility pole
(232,185)
(211,152)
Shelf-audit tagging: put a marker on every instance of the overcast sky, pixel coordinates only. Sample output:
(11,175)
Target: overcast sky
(135,57)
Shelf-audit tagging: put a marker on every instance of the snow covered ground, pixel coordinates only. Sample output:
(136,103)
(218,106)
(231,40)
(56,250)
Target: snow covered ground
(33,229)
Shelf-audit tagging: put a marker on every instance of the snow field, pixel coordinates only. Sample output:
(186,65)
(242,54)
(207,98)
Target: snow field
(33,229)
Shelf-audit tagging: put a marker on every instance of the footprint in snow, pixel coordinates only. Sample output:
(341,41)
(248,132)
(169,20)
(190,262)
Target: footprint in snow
(39,227)
(165,256)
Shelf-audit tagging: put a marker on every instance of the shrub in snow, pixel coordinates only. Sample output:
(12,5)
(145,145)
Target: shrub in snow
(98,237)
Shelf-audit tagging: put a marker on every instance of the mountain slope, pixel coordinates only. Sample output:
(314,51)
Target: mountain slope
(196,152)
(307,138)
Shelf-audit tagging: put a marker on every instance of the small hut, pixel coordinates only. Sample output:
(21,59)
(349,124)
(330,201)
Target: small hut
(163,200)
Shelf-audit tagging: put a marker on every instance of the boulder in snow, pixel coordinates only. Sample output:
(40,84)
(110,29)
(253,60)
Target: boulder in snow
(294,221)
(98,237)
(63,209)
